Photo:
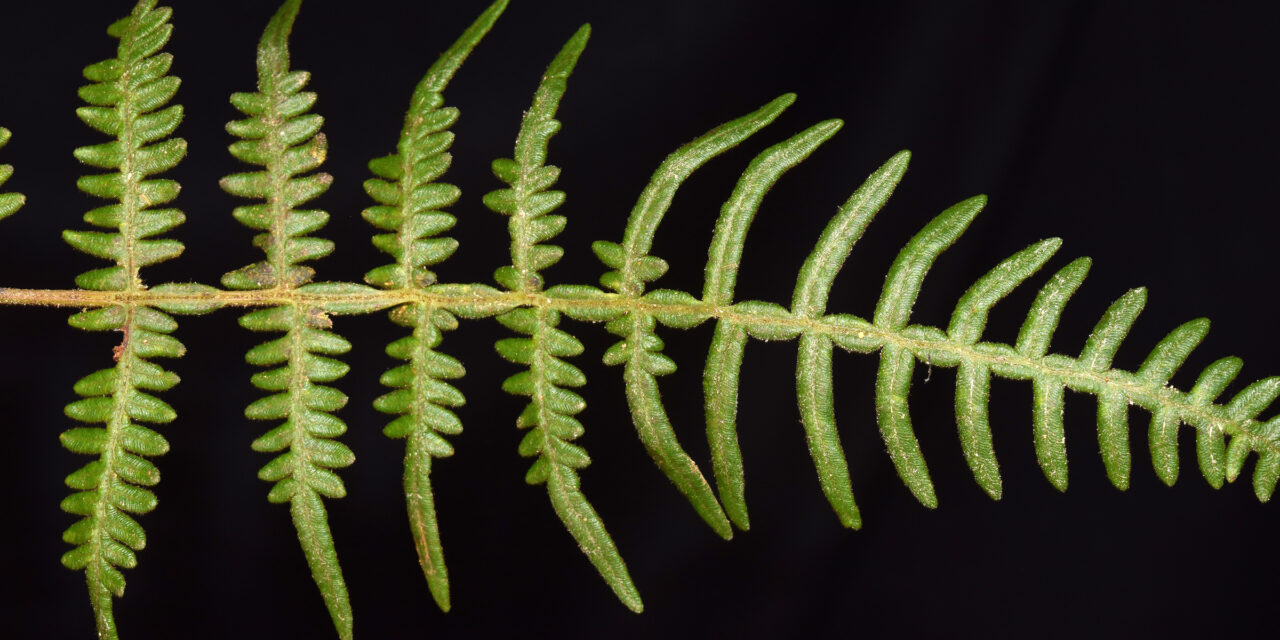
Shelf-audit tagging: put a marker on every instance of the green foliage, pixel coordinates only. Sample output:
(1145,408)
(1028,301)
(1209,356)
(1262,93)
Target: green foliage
(282,138)
(128,101)
(410,207)
(549,416)
(9,202)
(640,350)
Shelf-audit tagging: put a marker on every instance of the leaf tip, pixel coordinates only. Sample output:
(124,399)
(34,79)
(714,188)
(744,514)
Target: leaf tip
(725,532)
(273,47)
(851,520)
(580,37)
(282,21)
(1080,265)
(994,490)
(830,127)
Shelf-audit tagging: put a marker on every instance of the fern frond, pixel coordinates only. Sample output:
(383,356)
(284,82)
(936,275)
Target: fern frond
(411,205)
(127,101)
(549,416)
(282,138)
(9,202)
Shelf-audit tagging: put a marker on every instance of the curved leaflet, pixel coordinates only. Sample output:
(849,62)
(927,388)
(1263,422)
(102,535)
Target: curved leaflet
(640,350)
(724,360)
(814,392)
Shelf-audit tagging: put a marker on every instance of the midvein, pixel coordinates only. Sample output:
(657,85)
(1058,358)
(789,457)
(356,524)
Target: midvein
(537,366)
(477,300)
(124,365)
(119,417)
(298,383)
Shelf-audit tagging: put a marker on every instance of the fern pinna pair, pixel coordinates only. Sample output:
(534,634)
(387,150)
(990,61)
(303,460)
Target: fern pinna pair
(128,99)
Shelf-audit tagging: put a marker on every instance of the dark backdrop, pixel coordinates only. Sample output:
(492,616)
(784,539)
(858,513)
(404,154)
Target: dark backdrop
(1143,134)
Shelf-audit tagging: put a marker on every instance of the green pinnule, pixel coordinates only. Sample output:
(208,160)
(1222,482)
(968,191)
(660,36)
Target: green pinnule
(9,202)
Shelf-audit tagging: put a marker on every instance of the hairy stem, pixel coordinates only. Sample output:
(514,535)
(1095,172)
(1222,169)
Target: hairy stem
(475,300)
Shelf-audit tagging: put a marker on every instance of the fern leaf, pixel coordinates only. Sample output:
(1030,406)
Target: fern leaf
(1268,470)
(813,362)
(814,376)
(279,136)
(640,350)
(127,99)
(9,202)
(550,413)
(410,207)
(720,392)
(1164,422)
(1159,366)
(1047,397)
(1113,409)
(901,287)
(740,209)
(629,276)
(1241,446)
(973,381)
(970,315)
(724,361)
(893,382)
(1246,405)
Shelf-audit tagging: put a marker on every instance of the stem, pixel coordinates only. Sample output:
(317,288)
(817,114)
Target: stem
(475,300)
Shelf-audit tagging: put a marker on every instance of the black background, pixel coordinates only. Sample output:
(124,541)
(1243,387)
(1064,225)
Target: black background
(1142,134)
